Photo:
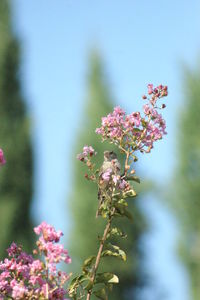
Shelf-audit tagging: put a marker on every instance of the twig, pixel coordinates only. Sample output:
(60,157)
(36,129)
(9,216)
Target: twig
(106,230)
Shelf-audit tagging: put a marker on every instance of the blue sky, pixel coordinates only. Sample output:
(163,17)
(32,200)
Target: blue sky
(140,42)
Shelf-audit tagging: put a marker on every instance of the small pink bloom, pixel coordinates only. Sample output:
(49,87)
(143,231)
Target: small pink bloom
(2,158)
(88,150)
(146,109)
(106,175)
(48,232)
(13,249)
(18,291)
(116,179)
(150,88)
(119,111)
(122,184)
(136,118)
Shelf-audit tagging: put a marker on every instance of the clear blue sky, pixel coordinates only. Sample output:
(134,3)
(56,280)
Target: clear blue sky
(141,42)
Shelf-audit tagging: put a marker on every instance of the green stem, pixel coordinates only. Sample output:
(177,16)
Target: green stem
(126,163)
(98,258)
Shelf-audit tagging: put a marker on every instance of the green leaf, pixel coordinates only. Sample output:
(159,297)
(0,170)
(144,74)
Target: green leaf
(123,202)
(130,193)
(89,285)
(101,294)
(128,214)
(106,278)
(120,251)
(76,282)
(88,262)
(118,232)
(117,253)
(114,279)
(120,208)
(73,285)
(133,178)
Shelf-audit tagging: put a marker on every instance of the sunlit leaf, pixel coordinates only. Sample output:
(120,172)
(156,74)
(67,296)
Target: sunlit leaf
(106,278)
(116,253)
(118,232)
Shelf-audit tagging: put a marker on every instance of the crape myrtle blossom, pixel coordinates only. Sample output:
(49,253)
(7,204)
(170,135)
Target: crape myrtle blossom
(54,253)
(130,132)
(136,132)
(106,176)
(120,183)
(49,234)
(115,180)
(2,158)
(87,152)
(24,277)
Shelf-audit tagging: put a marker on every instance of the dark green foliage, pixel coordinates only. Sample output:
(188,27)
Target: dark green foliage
(186,186)
(83,201)
(16,175)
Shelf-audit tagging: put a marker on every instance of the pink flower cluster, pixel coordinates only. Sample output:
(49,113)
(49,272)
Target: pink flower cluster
(133,131)
(24,277)
(88,151)
(115,180)
(2,158)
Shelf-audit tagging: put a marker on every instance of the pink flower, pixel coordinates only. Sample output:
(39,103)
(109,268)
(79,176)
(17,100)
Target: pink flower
(106,175)
(18,291)
(118,111)
(150,88)
(13,249)
(87,151)
(48,232)
(147,110)
(116,178)
(2,158)
(122,184)
(134,131)
(36,266)
(22,276)
(135,118)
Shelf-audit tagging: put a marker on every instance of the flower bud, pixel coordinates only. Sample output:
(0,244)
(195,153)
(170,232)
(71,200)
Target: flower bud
(92,177)
(89,164)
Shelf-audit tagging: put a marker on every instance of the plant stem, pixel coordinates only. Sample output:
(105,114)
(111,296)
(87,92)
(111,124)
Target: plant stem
(126,163)
(106,230)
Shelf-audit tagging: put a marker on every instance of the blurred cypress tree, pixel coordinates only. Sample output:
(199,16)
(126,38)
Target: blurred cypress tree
(84,201)
(16,175)
(186,186)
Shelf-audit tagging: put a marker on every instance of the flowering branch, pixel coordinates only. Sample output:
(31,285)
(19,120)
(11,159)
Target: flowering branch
(130,133)
(24,277)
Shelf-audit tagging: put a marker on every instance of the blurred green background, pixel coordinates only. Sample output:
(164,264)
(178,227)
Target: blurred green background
(65,64)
